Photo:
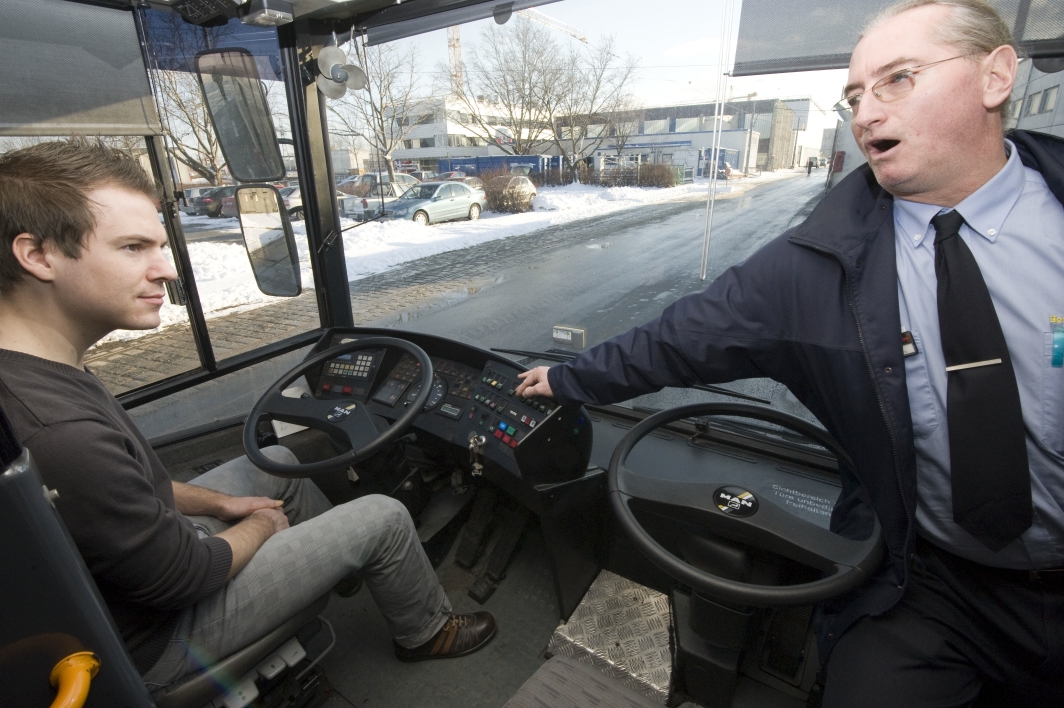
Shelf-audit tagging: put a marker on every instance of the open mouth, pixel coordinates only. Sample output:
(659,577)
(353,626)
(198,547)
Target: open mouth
(881,146)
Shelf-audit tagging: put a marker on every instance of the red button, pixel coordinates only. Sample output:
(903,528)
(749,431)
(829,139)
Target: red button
(506,439)
(347,389)
(513,443)
(326,387)
(498,433)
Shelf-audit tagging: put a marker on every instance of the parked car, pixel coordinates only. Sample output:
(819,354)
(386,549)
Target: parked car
(511,193)
(472,182)
(725,171)
(363,185)
(189,196)
(369,206)
(823,162)
(430,202)
(451,175)
(423,176)
(229,210)
(210,203)
(293,203)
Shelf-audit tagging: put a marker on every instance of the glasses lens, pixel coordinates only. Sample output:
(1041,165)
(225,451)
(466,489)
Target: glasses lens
(844,110)
(897,85)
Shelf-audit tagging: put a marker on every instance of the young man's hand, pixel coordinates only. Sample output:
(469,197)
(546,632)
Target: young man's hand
(236,508)
(193,500)
(274,515)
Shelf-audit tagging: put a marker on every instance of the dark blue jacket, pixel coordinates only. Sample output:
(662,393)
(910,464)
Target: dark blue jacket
(816,310)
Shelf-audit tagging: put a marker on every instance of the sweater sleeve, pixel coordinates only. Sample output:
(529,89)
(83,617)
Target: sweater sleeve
(130,539)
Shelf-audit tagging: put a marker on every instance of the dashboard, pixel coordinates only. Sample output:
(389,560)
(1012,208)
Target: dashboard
(473,397)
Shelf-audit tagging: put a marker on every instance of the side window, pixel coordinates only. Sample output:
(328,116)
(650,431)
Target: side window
(1049,99)
(460,190)
(446,192)
(1033,101)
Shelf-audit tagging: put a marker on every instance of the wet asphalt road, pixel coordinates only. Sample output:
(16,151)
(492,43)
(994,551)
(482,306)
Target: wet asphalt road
(622,271)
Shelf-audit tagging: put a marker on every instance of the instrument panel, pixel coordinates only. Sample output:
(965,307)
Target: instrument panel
(472,399)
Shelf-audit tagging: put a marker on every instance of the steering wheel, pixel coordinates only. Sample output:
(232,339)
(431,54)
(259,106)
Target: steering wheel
(722,506)
(347,418)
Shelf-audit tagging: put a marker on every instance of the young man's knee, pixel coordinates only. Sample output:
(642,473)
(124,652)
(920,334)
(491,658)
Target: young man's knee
(381,512)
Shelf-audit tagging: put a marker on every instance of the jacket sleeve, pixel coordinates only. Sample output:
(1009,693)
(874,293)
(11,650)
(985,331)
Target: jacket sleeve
(129,538)
(726,332)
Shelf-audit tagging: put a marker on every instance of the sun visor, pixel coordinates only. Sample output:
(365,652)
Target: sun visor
(409,19)
(806,35)
(69,68)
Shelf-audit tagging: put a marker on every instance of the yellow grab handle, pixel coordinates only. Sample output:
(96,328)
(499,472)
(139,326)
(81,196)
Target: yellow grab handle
(72,676)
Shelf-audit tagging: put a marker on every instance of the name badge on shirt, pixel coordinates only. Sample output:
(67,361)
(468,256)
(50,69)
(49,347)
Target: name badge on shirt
(908,344)
(1056,326)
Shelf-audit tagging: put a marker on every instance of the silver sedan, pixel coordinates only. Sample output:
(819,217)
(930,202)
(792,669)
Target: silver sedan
(430,202)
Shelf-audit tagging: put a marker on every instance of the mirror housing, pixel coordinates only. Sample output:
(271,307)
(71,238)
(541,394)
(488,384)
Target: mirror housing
(268,238)
(236,100)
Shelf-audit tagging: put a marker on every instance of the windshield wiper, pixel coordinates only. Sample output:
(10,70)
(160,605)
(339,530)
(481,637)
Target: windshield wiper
(562,357)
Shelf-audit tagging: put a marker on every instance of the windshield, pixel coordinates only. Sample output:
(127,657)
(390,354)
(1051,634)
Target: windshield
(420,191)
(589,212)
(611,227)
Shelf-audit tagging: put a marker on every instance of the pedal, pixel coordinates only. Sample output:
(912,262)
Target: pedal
(476,528)
(481,590)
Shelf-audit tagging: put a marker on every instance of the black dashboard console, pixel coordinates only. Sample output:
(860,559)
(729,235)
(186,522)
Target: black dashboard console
(473,401)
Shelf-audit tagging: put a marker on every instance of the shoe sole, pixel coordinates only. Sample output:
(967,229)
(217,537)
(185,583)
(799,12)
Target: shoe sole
(478,647)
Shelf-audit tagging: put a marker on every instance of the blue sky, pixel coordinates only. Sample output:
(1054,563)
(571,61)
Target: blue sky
(677,41)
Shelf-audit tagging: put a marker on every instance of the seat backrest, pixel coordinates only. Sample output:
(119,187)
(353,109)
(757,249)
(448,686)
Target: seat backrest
(51,606)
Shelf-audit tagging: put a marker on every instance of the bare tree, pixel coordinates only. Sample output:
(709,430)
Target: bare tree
(499,94)
(386,111)
(193,141)
(625,123)
(584,105)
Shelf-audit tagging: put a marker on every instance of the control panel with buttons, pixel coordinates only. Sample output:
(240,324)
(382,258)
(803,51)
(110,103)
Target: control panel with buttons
(350,375)
(532,438)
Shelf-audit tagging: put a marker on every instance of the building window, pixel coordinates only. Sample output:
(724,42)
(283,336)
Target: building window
(1032,103)
(1049,100)
(688,125)
(1017,108)
(655,127)
(428,142)
(408,144)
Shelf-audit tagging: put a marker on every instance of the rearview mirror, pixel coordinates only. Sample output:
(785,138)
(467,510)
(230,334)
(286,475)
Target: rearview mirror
(236,101)
(269,240)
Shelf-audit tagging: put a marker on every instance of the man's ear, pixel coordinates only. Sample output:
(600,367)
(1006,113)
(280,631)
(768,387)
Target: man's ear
(998,76)
(35,258)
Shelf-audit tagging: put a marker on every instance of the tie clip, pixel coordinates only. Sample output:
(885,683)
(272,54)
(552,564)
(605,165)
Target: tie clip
(973,365)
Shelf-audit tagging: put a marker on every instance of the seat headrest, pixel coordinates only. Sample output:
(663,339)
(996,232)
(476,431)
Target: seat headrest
(10,447)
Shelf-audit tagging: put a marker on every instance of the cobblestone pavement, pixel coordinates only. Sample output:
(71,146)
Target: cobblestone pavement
(379,300)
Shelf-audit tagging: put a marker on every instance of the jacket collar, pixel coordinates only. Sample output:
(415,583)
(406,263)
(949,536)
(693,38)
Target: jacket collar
(856,208)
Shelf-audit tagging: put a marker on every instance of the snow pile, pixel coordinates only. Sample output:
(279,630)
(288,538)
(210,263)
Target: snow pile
(227,284)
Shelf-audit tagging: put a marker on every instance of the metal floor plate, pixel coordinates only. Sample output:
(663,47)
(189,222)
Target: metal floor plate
(624,630)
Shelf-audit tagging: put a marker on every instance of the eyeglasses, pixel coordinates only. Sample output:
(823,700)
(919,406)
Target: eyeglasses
(891,87)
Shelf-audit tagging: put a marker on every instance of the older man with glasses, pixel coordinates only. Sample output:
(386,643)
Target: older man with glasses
(919,314)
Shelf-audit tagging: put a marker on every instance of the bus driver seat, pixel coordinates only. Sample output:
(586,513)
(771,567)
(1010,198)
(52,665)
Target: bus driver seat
(53,609)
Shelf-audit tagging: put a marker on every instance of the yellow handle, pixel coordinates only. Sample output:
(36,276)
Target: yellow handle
(72,677)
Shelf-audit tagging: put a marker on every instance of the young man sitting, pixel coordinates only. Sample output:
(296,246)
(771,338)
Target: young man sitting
(211,565)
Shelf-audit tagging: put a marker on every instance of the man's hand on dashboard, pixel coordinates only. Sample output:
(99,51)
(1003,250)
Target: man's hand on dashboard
(534,383)
(236,508)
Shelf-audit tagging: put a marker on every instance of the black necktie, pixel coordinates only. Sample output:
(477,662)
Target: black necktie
(987,449)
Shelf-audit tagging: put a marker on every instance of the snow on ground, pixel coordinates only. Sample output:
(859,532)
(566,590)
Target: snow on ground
(227,284)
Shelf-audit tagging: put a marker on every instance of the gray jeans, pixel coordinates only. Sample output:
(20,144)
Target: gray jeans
(372,534)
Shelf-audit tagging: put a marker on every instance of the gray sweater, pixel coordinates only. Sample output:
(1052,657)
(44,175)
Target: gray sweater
(115,498)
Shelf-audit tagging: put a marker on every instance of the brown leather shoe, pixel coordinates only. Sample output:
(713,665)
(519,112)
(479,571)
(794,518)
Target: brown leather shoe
(460,635)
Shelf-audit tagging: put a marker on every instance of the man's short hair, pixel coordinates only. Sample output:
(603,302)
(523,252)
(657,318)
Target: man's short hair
(974,27)
(43,192)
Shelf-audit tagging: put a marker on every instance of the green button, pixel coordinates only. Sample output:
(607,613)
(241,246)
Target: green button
(511,430)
